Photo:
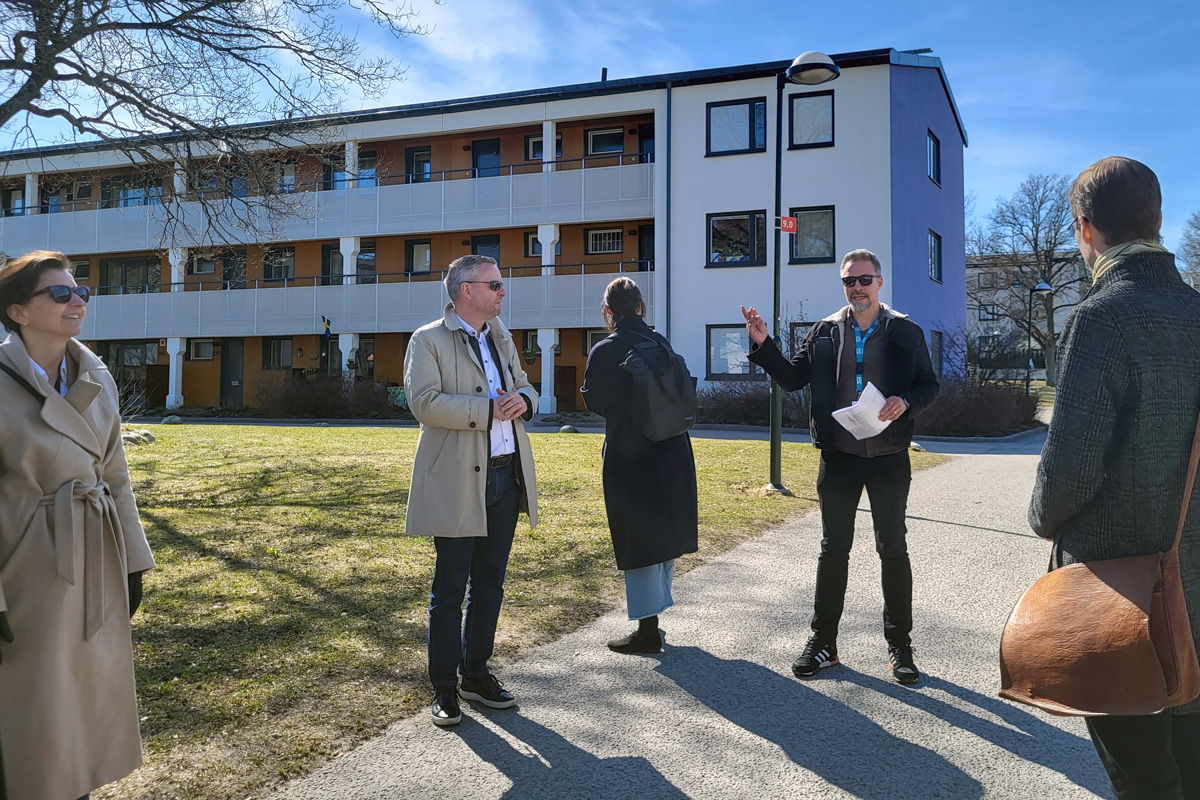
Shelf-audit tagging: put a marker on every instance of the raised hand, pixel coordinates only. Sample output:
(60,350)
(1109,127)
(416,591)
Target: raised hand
(508,406)
(755,325)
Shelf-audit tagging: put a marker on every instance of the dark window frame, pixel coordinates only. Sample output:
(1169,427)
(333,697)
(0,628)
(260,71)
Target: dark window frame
(531,240)
(935,259)
(274,255)
(792,100)
(268,343)
(328,276)
(557,146)
(410,153)
(755,373)
(937,353)
(750,103)
(832,259)
(409,244)
(587,142)
(933,157)
(710,264)
(587,240)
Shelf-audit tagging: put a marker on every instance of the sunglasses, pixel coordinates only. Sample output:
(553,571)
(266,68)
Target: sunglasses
(863,280)
(62,294)
(495,286)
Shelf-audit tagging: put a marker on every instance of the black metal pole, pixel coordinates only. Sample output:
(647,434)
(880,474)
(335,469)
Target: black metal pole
(1029,342)
(776,392)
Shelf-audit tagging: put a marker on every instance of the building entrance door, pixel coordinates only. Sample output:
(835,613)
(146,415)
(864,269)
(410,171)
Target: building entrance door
(485,157)
(231,373)
(565,388)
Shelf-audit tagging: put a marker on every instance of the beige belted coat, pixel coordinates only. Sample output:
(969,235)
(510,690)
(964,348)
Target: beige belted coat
(69,536)
(446,389)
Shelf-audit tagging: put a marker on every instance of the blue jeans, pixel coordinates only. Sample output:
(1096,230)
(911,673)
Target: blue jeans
(481,560)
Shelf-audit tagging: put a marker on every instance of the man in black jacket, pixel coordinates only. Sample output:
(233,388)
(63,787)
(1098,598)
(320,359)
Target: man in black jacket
(1111,478)
(864,342)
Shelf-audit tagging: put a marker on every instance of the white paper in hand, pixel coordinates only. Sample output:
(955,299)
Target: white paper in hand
(862,418)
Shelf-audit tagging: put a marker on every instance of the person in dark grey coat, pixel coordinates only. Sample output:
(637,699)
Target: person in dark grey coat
(649,487)
(1111,478)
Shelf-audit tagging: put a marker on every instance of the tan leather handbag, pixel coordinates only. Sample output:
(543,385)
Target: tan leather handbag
(1108,637)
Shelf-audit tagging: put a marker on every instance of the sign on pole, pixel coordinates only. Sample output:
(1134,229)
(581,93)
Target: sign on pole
(787,224)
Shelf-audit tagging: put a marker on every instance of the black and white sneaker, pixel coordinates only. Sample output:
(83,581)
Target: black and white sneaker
(487,690)
(900,659)
(445,708)
(817,655)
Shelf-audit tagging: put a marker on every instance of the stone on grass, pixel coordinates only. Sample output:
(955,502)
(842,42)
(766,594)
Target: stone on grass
(568,429)
(174,419)
(916,447)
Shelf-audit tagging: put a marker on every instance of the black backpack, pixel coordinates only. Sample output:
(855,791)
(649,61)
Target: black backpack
(663,402)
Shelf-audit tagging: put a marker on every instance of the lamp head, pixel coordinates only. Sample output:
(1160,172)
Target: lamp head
(812,68)
(1042,288)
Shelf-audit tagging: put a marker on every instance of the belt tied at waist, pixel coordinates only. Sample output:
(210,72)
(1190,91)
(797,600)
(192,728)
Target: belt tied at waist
(97,509)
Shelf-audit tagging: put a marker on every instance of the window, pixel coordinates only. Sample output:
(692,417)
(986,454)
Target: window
(367,163)
(233,269)
(237,182)
(81,190)
(987,345)
(331,265)
(738,240)
(933,157)
(14,202)
(605,141)
(364,358)
(417,255)
(129,275)
(488,245)
(285,178)
(728,349)
(811,120)
(204,264)
(737,126)
(533,147)
(202,179)
(277,353)
(797,331)
(592,338)
(279,264)
(988,312)
(935,257)
(126,191)
(200,349)
(364,268)
(418,164)
(333,173)
(51,199)
(533,246)
(986,280)
(82,270)
(935,351)
(813,241)
(598,241)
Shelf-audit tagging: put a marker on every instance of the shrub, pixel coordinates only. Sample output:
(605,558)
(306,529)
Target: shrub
(748,403)
(966,408)
(327,397)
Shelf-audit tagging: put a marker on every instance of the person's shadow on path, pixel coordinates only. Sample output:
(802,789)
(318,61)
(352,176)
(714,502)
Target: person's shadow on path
(1034,740)
(841,745)
(558,769)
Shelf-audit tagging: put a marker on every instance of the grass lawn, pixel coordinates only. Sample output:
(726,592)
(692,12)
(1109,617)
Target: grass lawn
(286,620)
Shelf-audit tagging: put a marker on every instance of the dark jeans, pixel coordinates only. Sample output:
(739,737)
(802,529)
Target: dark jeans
(1150,758)
(482,560)
(840,482)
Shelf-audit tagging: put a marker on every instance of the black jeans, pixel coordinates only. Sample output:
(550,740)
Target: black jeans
(482,560)
(840,482)
(1150,758)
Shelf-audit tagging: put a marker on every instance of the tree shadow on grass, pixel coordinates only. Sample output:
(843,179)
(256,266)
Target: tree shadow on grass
(841,745)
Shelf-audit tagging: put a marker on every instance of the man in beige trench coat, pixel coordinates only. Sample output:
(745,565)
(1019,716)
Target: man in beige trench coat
(472,475)
(69,537)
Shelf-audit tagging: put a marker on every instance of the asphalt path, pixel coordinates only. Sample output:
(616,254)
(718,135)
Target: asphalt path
(719,715)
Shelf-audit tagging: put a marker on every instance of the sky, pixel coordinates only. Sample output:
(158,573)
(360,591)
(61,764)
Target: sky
(1043,87)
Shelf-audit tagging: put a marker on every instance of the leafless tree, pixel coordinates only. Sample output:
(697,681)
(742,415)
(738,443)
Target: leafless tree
(208,90)
(1189,249)
(1030,239)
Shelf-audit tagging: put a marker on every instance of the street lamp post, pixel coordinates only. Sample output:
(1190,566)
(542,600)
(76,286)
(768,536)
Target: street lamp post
(1041,289)
(808,69)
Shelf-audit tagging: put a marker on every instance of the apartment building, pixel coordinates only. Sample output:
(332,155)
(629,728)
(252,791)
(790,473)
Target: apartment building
(668,179)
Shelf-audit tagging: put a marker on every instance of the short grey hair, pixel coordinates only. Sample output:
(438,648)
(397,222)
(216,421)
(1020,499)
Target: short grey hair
(462,270)
(862,255)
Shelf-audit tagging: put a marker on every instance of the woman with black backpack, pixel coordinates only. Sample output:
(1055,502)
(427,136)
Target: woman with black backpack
(649,486)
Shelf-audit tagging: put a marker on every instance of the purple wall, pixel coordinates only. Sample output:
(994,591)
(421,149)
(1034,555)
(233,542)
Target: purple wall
(919,104)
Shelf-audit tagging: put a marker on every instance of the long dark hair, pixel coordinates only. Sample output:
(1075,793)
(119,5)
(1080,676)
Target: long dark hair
(623,298)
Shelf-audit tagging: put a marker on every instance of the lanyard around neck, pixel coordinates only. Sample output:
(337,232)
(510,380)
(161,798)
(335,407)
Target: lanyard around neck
(860,342)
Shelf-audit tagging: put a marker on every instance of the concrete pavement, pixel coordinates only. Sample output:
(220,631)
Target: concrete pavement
(718,713)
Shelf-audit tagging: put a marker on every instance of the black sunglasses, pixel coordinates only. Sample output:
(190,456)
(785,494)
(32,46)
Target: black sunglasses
(863,280)
(62,294)
(495,286)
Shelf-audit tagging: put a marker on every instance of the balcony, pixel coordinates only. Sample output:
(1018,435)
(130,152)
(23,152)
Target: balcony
(446,201)
(563,296)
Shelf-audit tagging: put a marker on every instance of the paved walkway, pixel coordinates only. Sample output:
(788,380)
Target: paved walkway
(718,713)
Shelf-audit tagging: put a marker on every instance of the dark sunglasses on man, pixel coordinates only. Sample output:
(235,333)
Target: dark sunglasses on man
(863,280)
(495,286)
(62,294)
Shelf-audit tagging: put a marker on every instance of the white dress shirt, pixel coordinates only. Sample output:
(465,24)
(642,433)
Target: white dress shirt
(503,437)
(62,375)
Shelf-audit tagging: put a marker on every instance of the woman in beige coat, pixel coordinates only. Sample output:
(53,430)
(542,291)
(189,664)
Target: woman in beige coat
(71,548)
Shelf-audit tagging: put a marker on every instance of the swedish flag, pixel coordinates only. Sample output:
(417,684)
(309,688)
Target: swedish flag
(325,321)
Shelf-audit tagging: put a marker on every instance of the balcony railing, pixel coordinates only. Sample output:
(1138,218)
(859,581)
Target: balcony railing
(562,296)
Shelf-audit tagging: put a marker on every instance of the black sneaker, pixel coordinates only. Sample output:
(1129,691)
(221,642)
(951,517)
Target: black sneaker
(636,643)
(445,708)
(487,690)
(816,656)
(900,659)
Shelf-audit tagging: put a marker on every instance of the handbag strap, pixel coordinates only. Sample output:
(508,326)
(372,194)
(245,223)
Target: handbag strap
(41,398)
(1188,485)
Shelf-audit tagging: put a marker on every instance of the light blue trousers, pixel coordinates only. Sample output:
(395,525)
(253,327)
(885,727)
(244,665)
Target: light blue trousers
(648,589)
